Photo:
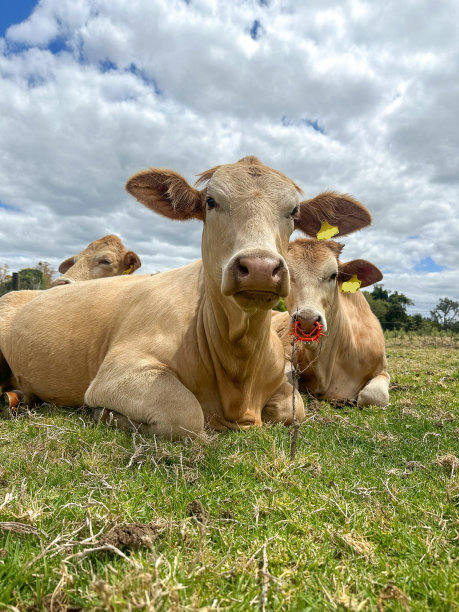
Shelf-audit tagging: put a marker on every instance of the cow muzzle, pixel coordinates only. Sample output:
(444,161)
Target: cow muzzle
(308,317)
(256,280)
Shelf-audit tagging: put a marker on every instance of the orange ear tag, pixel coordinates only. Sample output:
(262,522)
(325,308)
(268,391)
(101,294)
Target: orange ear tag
(352,285)
(129,270)
(327,231)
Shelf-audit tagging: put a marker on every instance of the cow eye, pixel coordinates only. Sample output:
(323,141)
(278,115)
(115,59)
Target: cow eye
(105,262)
(211,203)
(334,276)
(295,211)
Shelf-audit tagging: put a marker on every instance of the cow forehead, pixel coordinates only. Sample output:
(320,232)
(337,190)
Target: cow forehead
(108,243)
(242,181)
(312,254)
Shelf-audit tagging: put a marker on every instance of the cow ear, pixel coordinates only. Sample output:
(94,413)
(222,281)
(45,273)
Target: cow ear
(167,193)
(342,211)
(132,262)
(365,271)
(67,264)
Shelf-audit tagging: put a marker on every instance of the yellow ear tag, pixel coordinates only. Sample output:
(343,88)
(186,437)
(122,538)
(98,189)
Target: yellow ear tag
(327,231)
(352,285)
(129,270)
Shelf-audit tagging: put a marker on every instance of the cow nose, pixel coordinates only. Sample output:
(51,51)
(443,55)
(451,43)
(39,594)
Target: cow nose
(265,272)
(61,281)
(308,320)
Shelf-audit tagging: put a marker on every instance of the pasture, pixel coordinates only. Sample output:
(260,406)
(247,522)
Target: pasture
(364,518)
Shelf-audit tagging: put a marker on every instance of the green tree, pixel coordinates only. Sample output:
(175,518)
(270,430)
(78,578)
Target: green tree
(47,272)
(379,293)
(29,278)
(446,313)
(390,308)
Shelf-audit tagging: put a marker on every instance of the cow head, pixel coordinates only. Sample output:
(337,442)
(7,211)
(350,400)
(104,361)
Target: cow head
(316,275)
(104,257)
(249,212)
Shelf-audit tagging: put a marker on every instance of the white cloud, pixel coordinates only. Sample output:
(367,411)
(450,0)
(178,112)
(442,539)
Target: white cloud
(358,96)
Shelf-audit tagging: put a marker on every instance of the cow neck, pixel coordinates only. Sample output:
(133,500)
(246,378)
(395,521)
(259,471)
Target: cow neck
(234,326)
(321,356)
(239,347)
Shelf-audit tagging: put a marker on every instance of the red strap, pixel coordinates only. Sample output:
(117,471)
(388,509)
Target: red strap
(313,336)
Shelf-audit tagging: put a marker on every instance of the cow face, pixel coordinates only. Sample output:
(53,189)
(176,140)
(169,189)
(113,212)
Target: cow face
(104,257)
(316,275)
(249,212)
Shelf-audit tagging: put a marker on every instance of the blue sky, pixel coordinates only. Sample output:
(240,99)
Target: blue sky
(351,96)
(14,11)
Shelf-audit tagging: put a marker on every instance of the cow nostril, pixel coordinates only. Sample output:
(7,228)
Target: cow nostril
(278,269)
(242,270)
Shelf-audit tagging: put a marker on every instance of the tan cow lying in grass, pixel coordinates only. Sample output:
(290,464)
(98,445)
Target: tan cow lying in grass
(192,346)
(349,362)
(104,257)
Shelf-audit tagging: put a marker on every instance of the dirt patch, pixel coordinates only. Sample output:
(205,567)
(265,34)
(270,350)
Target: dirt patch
(390,591)
(415,465)
(55,603)
(313,405)
(395,386)
(342,403)
(132,536)
(450,462)
(196,509)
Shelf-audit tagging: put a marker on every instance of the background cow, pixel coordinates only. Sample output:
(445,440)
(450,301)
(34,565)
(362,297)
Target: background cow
(171,352)
(349,362)
(104,257)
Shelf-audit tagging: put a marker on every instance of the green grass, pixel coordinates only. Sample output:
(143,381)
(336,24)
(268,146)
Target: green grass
(364,518)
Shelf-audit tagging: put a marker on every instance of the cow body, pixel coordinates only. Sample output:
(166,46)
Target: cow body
(183,342)
(191,346)
(349,361)
(104,257)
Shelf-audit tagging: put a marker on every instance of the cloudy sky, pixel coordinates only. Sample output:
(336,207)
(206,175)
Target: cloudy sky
(360,97)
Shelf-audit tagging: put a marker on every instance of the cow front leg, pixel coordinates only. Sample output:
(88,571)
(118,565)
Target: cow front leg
(279,408)
(148,397)
(375,392)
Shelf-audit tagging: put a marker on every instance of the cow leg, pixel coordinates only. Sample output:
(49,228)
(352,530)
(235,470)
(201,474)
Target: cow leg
(279,408)
(145,396)
(375,392)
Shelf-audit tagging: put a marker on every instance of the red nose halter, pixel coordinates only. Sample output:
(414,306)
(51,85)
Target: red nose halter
(313,336)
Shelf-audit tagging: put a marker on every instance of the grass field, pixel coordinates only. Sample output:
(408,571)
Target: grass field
(364,518)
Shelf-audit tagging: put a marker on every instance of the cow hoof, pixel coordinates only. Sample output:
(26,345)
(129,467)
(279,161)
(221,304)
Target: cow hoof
(11,401)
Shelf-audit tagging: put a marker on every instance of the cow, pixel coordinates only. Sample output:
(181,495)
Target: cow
(104,257)
(349,361)
(190,347)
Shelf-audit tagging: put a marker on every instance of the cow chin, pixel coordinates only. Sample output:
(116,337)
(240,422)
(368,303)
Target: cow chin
(256,300)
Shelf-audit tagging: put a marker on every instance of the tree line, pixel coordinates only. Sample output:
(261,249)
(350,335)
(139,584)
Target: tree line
(390,308)
(39,277)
